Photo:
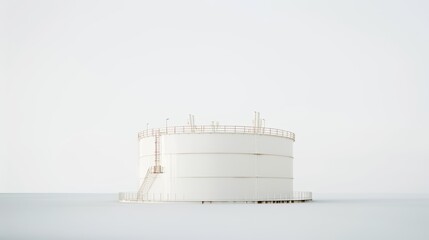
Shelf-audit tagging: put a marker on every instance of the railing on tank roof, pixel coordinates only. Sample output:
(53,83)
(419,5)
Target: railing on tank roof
(217,129)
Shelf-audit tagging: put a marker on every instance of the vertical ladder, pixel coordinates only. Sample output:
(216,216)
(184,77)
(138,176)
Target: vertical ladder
(157,168)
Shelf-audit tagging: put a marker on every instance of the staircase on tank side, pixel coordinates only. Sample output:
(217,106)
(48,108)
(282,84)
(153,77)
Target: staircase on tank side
(152,173)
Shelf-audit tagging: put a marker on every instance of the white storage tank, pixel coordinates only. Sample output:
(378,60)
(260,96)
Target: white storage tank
(210,163)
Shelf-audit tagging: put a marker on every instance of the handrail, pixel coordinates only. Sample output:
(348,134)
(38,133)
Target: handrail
(177,197)
(217,129)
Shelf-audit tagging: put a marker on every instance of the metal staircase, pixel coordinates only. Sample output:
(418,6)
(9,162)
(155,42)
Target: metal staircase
(152,172)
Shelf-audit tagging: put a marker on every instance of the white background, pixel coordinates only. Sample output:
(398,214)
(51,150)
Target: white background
(79,79)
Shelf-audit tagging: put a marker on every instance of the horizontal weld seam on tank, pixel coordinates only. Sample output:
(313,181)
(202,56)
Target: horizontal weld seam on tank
(202,153)
(234,177)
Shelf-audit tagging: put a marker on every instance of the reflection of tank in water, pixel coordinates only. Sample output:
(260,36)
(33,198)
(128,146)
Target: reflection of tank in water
(209,163)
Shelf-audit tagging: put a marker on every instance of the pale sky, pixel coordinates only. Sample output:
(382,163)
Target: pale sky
(79,79)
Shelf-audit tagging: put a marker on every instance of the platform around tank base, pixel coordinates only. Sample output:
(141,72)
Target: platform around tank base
(294,197)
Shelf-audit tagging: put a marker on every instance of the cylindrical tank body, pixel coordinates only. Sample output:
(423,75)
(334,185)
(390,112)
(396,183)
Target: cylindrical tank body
(219,166)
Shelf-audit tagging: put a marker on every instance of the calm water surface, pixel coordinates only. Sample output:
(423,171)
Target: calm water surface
(100,216)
